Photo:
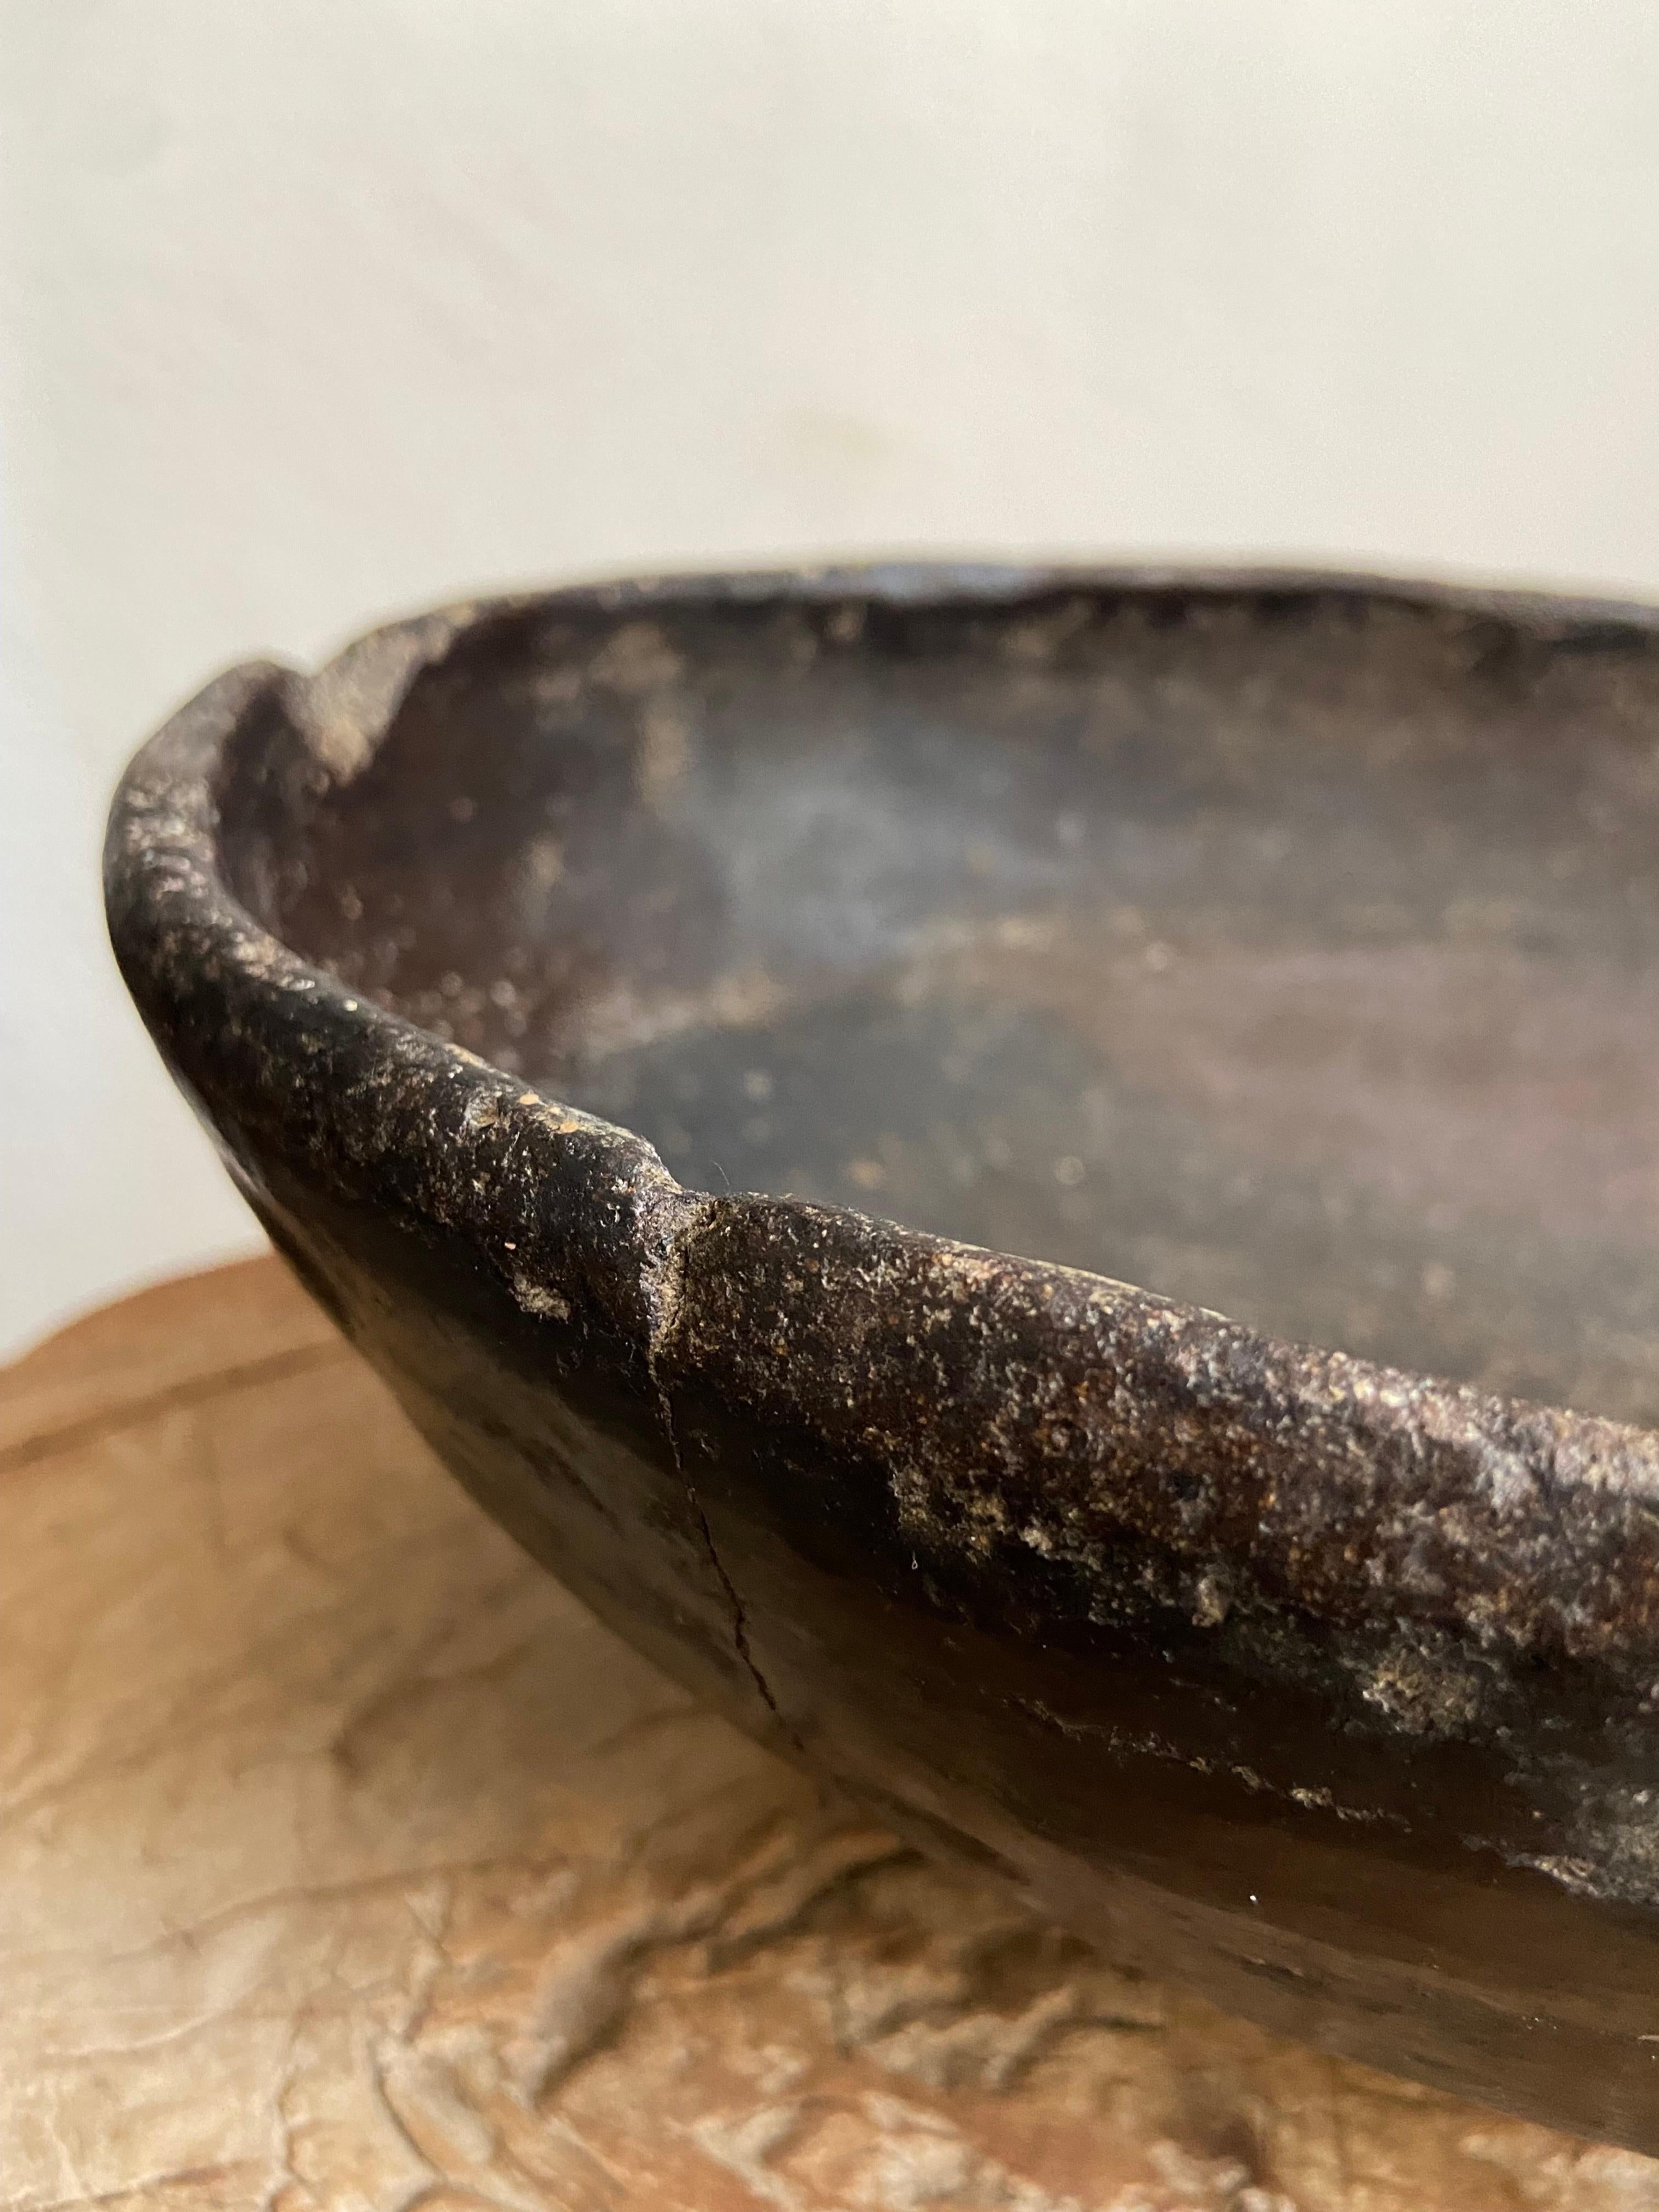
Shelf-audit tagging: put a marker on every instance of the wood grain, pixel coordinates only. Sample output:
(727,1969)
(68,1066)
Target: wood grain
(345,1863)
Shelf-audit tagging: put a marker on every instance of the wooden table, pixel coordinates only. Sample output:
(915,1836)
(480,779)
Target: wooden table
(345,1863)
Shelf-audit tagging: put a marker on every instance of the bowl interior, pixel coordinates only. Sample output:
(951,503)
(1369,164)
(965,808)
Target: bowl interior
(1290,952)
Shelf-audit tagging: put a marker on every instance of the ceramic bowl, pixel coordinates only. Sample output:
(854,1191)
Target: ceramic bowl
(786,1075)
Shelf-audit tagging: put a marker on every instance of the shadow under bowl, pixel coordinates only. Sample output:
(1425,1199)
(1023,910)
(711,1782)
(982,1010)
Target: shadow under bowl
(648,1015)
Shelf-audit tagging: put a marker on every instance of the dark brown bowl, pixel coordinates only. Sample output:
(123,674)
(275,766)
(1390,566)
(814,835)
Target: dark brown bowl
(1290,946)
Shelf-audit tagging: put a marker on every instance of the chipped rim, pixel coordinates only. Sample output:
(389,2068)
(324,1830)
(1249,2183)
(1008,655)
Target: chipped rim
(1550,1493)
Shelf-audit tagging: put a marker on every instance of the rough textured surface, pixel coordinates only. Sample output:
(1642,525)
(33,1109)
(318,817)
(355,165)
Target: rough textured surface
(347,1865)
(1288,940)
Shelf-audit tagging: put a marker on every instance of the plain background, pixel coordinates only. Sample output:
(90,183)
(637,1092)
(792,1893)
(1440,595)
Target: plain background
(318,309)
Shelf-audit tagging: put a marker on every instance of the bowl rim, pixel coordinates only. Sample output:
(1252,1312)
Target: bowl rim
(1419,1479)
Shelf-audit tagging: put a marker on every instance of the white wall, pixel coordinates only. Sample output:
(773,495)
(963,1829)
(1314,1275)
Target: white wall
(316,308)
